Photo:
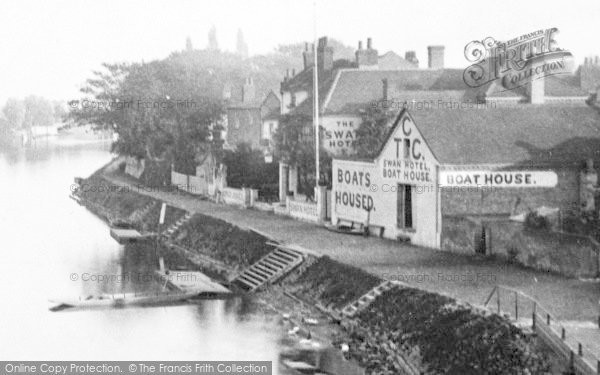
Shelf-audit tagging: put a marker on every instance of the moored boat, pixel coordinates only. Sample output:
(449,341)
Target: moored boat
(122,300)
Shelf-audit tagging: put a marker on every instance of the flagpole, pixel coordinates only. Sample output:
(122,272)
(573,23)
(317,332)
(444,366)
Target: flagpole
(316,94)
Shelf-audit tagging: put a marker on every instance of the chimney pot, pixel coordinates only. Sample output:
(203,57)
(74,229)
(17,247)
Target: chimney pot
(385,90)
(360,44)
(435,57)
(368,43)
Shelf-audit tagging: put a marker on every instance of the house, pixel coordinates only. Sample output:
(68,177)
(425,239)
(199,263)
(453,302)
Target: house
(444,163)
(245,117)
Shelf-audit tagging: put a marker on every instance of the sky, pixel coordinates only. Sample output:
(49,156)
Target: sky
(49,48)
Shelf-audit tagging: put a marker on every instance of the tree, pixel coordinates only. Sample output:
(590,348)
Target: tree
(295,145)
(38,112)
(163,111)
(14,113)
(59,112)
(241,46)
(213,44)
(372,132)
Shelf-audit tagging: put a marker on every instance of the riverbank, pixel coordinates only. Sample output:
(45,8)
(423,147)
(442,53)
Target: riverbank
(388,336)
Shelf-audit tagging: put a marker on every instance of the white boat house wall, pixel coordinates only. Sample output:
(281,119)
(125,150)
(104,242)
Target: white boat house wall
(396,192)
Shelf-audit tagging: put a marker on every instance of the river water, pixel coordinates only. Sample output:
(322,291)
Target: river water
(52,247)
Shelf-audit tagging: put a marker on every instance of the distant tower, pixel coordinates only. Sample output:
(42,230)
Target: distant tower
(241,46)
(188,44)
(212,39)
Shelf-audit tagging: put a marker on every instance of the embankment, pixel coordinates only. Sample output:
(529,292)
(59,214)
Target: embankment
(433,333)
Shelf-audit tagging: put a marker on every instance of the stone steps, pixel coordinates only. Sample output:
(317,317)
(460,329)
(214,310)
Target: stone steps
(365,300)
(171,230)
(268,269)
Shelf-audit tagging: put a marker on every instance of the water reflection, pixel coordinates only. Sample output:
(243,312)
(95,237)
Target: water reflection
(47,238)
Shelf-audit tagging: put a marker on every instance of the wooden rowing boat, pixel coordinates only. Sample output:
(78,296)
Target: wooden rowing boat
(121,300)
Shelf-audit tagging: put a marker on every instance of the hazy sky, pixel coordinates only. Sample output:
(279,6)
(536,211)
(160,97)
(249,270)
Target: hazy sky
(49,48)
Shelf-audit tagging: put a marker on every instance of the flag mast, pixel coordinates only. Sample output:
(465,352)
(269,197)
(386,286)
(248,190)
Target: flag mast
(316,94)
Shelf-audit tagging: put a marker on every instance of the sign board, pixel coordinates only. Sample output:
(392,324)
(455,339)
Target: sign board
(499,179)
(406,157)
(339,134)
(354,189)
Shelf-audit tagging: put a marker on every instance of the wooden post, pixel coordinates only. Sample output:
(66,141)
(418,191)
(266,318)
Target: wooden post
(516,306)
(498,299)
(572,360)
(563,333)
(580,349)
(548,319)
(533,316)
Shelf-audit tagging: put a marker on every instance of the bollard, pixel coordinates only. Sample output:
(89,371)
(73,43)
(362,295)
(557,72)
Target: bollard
(516,306)
(562,333)
(580,349)
(533,317)
(548,319)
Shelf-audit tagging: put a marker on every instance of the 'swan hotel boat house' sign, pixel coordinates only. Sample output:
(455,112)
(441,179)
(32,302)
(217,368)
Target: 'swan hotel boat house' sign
(399,190)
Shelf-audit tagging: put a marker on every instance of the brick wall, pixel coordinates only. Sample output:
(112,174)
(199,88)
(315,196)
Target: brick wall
(567,254)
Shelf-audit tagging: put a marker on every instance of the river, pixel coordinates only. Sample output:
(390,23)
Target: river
(48,238)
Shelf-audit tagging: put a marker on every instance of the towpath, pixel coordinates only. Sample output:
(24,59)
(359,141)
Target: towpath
(467,278)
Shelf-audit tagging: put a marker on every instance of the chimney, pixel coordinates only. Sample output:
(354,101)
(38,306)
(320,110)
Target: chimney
(227,91)
(367,58)
(435,57)
(411,57)
(324,55)
(248,91)
(309,56)
(385,90)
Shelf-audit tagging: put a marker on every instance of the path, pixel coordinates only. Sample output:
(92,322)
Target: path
(465,277)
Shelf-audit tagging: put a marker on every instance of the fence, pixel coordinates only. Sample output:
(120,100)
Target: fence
(518,305)
(189,183)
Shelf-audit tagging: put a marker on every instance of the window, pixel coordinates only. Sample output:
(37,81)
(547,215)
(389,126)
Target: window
(404,217)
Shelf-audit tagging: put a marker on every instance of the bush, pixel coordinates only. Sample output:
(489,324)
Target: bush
(512,253)
(246,167)
(452,339)
(333,283)
(222,241)
(535,221)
